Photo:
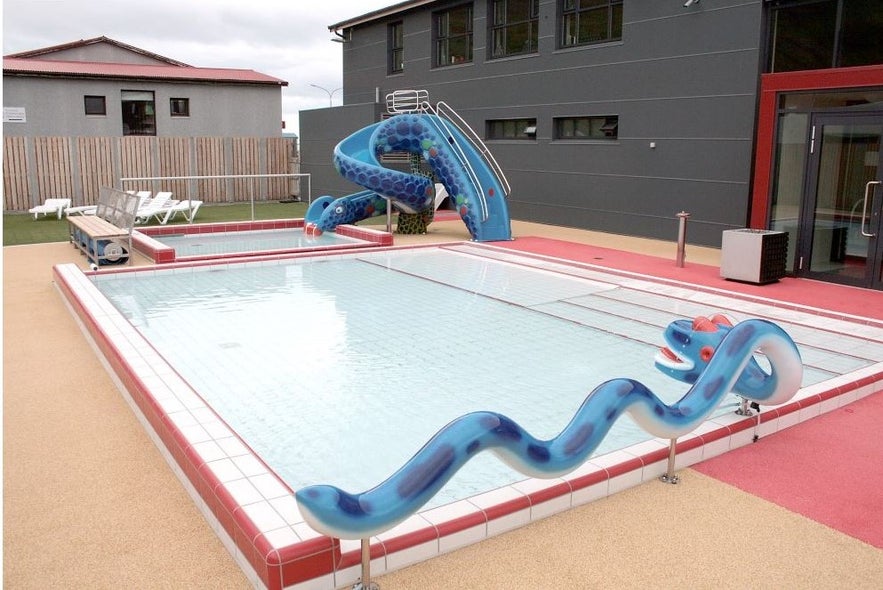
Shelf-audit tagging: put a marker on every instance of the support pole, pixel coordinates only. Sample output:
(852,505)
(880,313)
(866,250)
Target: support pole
(365,583)
(682,238)
(670,476)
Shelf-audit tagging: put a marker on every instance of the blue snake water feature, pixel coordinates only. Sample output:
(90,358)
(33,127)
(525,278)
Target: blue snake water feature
(710,353)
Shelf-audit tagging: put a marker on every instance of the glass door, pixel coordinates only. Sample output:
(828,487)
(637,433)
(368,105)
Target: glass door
(842,228)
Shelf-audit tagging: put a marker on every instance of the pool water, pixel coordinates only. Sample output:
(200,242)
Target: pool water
(337,369)
(221,243)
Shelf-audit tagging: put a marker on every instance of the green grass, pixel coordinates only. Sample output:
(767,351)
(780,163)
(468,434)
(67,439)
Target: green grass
(22,228)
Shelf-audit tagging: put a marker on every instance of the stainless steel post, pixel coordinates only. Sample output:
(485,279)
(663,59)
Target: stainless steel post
(670,476)
(366,564)
(682,237)
(389,216)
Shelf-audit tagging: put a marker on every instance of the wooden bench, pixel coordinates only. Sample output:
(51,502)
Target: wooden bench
(106,237)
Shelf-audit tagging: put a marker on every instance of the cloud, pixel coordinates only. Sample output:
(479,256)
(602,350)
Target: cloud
(286,39)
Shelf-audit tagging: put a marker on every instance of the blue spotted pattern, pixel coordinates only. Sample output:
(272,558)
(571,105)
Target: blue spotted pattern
(482,208)
(727,365)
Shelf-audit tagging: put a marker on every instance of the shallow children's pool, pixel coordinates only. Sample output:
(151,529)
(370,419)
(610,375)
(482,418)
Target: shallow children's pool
(258,377)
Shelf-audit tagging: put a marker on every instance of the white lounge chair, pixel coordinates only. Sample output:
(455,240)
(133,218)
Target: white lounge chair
(187,208)
(49,206)
(154,207)
(81,210)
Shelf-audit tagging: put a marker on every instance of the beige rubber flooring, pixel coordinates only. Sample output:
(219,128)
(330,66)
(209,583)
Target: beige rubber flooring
(88,502)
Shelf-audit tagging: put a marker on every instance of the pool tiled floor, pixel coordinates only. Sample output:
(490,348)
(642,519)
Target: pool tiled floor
(254,512)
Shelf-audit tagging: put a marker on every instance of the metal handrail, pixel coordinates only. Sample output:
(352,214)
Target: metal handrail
(440,124)
(417,101)
(470,134)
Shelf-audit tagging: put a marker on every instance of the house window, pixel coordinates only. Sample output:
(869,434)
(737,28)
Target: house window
(513,27)
(453,35)
(512,129)
(396,48)
(823,34)
(590,21)
(139,112)
(179,107)
(95,105)
(605,127)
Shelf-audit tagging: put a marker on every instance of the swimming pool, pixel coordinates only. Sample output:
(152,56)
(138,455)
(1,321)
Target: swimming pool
(212,241)
(254,508)
(426,336)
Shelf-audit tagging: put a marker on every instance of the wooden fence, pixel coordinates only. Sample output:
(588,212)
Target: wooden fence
(38,168)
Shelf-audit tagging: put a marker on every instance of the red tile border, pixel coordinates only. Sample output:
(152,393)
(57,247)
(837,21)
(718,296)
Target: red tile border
(143,240)
(280,567)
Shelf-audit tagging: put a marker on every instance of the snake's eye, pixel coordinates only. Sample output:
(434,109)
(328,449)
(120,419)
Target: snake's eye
(705,353)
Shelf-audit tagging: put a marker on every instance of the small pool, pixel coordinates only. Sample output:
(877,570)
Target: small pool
(337,370)
(367,353)
(211,241)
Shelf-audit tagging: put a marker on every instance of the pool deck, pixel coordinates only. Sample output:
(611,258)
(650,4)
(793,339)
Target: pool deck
(90,503)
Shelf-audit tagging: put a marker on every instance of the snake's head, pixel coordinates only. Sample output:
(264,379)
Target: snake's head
(690,346)
(339,212)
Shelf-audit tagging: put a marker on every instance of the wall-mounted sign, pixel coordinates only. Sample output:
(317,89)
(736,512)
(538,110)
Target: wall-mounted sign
(14,115)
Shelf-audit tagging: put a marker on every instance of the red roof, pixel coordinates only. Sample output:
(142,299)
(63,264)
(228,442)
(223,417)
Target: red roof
(81,69)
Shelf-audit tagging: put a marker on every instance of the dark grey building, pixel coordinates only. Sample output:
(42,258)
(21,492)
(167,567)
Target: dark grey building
(615,115)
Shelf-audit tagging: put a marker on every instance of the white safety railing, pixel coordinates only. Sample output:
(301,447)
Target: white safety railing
(131,179)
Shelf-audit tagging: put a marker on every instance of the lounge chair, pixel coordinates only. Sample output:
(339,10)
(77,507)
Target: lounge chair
(56,206)
(187,208)
(93,209)
(154,207)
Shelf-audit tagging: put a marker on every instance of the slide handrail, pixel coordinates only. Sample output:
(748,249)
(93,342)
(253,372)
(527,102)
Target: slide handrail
(445,111)
(441,125)
(417,101)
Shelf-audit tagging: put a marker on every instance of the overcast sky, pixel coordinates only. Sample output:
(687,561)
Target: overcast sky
(287,39)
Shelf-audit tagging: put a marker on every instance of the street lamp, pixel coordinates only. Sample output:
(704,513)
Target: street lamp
(329,92)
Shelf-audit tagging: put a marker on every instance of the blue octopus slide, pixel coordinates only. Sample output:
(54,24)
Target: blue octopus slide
(711,354)
(477,193)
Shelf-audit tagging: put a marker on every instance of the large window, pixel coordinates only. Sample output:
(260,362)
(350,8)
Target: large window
(590,21)
(453,35)
(513,27)
(396,48)
(512,129)
(819,34)
(578,128)
(139,112)
(95,105)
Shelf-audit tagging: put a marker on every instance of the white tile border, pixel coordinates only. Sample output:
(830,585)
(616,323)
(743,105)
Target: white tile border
(270,506)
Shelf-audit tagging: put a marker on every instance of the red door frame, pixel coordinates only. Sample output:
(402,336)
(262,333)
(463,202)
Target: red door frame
(770,87)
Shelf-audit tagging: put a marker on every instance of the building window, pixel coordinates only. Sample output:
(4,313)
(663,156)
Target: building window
(95,105)
(590,21)
(512,129)
(396,48)
(139,113)
(605,127)
(823,34)
(513,27)
(453,36)
(179,107)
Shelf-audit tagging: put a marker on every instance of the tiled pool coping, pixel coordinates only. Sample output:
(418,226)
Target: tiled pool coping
(256,517)
(144,239)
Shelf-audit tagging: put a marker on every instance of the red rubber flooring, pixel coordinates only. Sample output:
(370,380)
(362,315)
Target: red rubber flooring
(829,469)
